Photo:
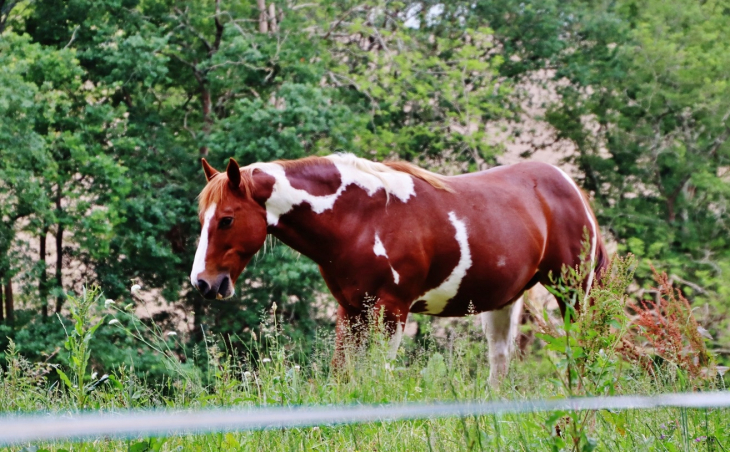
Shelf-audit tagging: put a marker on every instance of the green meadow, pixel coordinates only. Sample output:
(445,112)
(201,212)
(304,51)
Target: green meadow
(583,357)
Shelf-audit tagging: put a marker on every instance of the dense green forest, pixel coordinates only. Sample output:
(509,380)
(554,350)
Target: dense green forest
(107,106)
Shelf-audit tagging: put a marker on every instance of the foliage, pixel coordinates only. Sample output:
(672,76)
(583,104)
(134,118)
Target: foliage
(22,152)
(106,107)
(426,82)
(644,99)
(599,346)
(438,369)
(277,276)
(671,330)
(78,343)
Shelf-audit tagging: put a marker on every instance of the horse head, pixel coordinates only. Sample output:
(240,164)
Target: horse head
(233,230)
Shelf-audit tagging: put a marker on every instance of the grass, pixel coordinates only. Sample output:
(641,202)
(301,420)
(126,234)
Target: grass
(574,360)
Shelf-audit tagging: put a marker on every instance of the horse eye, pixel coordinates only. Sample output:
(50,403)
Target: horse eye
(225,222)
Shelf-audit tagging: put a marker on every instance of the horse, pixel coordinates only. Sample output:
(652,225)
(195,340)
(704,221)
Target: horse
(391,238)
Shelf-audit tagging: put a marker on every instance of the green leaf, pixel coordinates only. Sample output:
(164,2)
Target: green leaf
(65,379)
(141,446)
(115,382)
(554,417)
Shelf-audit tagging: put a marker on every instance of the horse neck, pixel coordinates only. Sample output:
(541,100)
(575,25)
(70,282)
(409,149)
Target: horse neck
(316,234)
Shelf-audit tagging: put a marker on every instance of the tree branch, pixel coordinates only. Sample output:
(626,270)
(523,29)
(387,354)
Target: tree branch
(5,8)
(218,28)
(192,30)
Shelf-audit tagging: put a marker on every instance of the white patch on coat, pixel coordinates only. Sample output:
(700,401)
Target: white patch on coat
(502,261)
(199,263)
(593,231)
(437,297)
(370,176)
(379,250)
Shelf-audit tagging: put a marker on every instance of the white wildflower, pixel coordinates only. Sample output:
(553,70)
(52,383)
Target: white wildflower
(704,333)
(266,360)
(315,428)
(171,333)
(113,321)
(108,302)
(273,307)
(247,374)
(297,367)
(93,376)
(135,288)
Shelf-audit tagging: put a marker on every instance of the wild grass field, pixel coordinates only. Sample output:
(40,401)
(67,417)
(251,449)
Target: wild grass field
(608,350)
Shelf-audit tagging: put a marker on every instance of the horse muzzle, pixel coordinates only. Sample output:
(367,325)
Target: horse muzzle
(218,289)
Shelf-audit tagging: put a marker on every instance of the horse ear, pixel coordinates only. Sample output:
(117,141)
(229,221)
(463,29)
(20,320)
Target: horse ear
(209,171)
(234,174)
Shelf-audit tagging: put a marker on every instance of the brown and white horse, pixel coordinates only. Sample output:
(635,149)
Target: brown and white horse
(394,238)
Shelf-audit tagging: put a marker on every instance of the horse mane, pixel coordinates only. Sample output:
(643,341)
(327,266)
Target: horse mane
(214,191)
(217,187)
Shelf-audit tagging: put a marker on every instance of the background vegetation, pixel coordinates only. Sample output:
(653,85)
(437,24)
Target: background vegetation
(594,355)
(106,107)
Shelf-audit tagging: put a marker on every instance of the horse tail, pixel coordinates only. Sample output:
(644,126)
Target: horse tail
(602,261)
(599,265)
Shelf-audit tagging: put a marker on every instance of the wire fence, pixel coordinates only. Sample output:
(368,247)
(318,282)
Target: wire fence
(131,424)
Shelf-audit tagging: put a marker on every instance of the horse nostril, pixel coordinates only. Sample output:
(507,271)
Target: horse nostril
(224,287)
(203,287)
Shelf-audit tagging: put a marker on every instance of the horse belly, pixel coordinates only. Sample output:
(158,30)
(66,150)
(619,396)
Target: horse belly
(504,254)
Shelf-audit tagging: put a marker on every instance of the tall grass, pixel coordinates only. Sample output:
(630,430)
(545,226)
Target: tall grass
(602,351)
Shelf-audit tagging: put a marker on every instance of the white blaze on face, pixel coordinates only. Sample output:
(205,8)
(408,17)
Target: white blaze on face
(199,263)
(437,297)
(379,250)
(593,230)
(370,176)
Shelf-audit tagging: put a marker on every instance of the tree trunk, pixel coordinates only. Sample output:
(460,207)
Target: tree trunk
(9,302)
(263,22)
(207,120)
(59,267)
(197,332)
(2,303)
(671,214)
(43,279)
(272,17)
(59,252)
(5,8)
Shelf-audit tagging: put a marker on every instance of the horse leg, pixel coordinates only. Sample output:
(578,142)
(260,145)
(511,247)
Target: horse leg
(501,328)
(349,331)
(394,315)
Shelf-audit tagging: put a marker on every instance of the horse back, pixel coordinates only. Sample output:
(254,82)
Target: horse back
(525,222)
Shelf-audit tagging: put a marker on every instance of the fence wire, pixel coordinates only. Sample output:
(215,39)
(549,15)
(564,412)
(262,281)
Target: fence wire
(139,423)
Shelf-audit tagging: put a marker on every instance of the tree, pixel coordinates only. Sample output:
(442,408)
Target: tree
(645,99)
(23,154)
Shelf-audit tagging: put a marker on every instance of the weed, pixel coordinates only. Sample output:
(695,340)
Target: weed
(672,332)
(585,353)
(78,342)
